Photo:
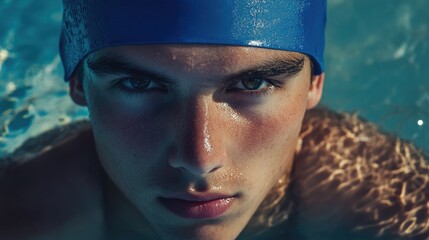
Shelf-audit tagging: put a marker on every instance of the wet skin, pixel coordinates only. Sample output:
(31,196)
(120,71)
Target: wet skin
(194,123)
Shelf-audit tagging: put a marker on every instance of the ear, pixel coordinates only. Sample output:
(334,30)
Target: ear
(315,91)
(77,92)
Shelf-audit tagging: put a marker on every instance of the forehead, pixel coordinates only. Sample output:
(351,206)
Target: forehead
(193,56)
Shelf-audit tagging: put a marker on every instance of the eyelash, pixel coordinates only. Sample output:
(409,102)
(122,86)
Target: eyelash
(271,85)
(119,84)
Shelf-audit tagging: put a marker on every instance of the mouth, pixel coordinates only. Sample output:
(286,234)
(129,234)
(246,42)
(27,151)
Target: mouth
(198,207)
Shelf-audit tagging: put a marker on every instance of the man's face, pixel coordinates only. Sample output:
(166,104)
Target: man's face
(196,136)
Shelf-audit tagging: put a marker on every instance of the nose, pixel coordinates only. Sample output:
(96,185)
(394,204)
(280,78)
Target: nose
(200,144)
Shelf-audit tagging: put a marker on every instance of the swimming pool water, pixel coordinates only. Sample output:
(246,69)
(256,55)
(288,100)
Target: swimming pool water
(376,58)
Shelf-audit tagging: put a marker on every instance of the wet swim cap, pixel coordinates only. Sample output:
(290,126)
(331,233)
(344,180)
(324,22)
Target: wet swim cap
(293,25)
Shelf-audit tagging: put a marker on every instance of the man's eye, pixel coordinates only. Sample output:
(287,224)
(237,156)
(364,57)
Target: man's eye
(138,84)
(251,84)
(135,83)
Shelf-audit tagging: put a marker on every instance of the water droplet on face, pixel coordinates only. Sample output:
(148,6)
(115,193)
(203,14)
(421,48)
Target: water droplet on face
(207,144)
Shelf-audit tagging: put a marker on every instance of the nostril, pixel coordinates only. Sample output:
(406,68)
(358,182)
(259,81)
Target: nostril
(215,168)
(195,166)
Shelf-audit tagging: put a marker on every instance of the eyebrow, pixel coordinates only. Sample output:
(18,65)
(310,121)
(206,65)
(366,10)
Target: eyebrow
(286,67)
(117,64)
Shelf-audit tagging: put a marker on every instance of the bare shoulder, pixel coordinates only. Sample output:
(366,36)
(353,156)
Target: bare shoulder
(47,143)
(349,172)
(50,182)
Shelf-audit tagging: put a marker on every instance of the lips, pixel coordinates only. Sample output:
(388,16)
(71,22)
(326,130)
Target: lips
(198,207)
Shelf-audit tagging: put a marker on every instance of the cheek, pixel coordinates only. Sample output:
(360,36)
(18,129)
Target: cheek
(126,129)
(128,136)
(127,120)
(268,140)
(274,128)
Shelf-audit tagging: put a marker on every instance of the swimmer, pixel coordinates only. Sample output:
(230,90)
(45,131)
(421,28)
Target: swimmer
(203,125)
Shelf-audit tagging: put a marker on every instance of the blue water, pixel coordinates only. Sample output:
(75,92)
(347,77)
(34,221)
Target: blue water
(376,58)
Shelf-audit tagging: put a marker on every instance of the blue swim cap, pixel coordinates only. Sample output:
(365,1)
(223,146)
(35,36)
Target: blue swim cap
(292,25)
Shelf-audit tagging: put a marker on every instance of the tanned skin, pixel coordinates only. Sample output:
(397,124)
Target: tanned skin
(331,175)
(58,192)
